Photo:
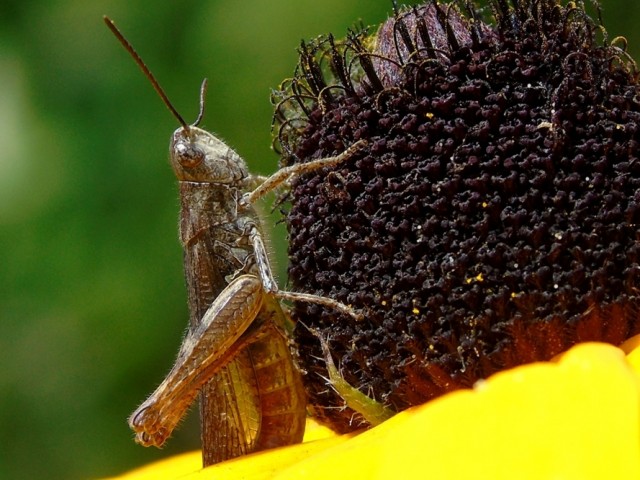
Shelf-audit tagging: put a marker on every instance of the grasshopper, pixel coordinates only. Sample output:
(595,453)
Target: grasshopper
(236,353)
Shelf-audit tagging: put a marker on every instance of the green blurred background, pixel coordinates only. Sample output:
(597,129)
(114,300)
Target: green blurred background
(92,298)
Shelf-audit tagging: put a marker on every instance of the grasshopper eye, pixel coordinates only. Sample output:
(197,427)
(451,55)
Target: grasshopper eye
(189,155)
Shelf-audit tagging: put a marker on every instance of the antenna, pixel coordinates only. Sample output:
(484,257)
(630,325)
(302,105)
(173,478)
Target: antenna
(203,93)
(147,73)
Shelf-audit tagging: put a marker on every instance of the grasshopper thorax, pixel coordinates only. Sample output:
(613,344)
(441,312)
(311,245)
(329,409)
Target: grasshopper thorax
(199,156)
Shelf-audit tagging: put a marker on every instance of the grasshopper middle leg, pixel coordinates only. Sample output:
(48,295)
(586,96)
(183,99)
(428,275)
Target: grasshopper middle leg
(371,410)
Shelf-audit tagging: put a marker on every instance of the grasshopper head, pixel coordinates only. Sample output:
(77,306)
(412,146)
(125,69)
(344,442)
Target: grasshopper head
(196,155)
(199,156)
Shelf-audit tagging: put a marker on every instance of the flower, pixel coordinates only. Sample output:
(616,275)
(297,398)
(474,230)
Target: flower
(492,218)
(576,417)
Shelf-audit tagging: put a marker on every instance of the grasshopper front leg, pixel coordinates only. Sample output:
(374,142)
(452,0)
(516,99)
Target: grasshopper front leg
(226,328)
(285,174)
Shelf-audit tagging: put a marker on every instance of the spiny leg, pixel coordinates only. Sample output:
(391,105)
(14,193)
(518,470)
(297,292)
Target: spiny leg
(371,410)
(319,300)
(271,286)
(205,349)
(286,173)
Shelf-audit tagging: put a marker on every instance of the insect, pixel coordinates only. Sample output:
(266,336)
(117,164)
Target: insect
(236,352)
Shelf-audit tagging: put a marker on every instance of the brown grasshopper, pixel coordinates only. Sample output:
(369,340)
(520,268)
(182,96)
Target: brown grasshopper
(236,353)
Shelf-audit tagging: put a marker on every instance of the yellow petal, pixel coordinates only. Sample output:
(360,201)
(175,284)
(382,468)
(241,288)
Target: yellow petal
(576,418)
(261,465)
(265,465)
(172,467)
(632,348)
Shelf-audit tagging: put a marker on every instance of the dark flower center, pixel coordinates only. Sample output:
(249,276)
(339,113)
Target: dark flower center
(493,219)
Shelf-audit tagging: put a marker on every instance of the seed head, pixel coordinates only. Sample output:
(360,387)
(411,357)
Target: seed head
(493,218)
